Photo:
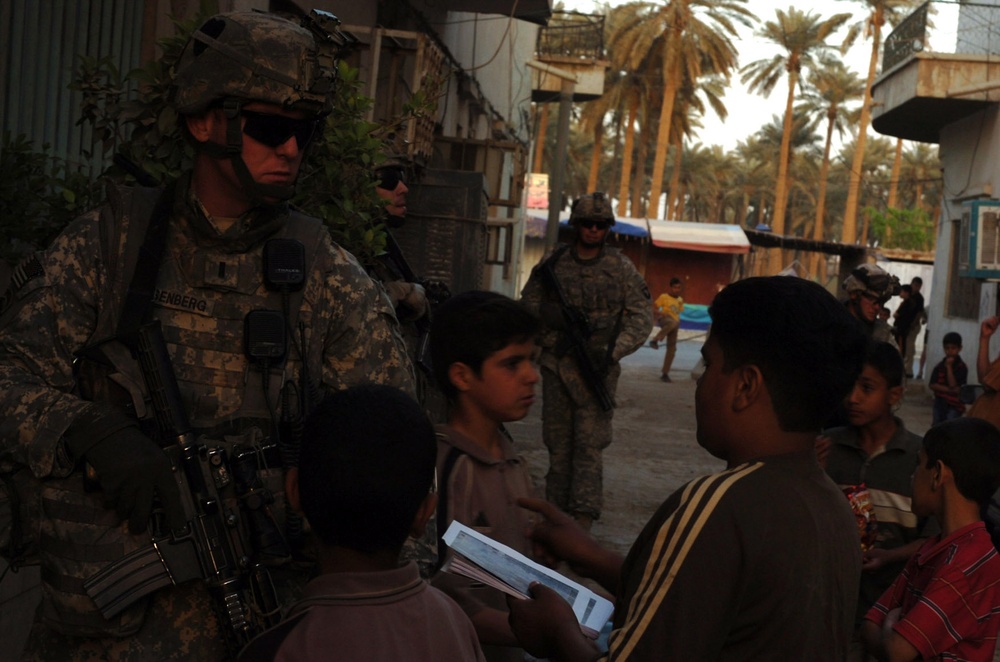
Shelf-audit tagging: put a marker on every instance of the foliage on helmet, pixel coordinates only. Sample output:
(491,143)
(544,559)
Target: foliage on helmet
(594,205)
(252,56)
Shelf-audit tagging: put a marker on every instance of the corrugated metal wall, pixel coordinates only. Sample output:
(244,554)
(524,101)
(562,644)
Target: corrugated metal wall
(39,45)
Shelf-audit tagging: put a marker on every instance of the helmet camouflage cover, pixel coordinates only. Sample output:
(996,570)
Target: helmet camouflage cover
(252,56)
(874,280)
(592,206)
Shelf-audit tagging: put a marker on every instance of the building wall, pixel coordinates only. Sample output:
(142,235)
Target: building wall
(493,49)
(703,274)
(970,160)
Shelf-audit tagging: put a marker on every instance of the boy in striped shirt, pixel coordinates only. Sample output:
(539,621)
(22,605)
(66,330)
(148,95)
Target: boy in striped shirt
(760,561)
(946,602)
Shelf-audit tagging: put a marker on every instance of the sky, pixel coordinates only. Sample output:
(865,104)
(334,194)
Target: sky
(748,112)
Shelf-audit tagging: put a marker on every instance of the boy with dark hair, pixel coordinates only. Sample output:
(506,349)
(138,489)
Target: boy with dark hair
(668,307)
(944,604)
(760,561)
(482,349)
(875,451)
(947,379)
(365,482)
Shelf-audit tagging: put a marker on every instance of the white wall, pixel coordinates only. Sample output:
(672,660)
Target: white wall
(970,159)
(493,48)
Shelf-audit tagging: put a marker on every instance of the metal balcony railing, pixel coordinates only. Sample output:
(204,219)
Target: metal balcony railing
(572,34)
(969,28)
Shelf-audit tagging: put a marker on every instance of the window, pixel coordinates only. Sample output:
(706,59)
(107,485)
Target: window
(963,293)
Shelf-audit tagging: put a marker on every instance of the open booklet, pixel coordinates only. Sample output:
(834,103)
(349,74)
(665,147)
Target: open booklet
(485,560)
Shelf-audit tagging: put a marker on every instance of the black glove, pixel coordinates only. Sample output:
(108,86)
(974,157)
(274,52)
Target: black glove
(131,468)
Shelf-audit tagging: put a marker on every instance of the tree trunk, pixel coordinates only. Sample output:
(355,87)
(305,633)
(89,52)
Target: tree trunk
(897,163)
(781,185)
(674,202)
(616,154)
(627,157)
(543,125)
(850,229)
(816,263)
(595,157)
(663,131)
(638,203)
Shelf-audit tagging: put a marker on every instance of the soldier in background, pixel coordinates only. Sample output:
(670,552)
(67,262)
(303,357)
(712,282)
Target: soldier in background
(413,309)
(250,93)
(408,297)
(609,302)
(868,287)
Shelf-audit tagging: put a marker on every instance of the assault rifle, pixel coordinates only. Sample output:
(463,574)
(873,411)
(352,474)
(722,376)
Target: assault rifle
(436,291)
(224,545)
(577,332)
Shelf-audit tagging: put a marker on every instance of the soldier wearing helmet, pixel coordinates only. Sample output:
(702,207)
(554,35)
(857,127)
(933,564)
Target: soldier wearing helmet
(607,301)
(260,312)
(868,287)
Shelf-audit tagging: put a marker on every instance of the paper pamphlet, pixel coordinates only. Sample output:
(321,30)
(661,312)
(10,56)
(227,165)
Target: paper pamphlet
(485,560)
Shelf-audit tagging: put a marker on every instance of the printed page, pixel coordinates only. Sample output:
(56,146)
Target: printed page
(518,572)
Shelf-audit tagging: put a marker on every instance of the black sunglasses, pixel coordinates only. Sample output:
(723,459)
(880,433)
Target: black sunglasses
(591,223)
(275,130)
(388,178)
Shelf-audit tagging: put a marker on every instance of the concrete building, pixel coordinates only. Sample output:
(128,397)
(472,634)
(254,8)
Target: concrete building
(951,97)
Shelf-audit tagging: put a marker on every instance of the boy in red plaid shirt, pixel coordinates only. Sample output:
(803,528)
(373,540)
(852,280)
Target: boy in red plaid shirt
(944,605)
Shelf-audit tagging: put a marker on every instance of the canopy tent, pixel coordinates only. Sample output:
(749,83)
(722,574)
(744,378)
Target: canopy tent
(704,237)
(631,227)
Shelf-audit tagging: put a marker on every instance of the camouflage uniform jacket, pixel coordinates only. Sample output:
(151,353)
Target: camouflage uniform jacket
(207,284)
(67,298)
(609,290)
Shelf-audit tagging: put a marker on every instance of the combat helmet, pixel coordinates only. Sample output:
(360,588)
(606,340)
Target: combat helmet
(243,57)
(872,279)
(252,56)
(592,206)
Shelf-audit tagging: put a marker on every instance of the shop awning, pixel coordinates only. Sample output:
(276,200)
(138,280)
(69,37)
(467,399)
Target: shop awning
(704,237)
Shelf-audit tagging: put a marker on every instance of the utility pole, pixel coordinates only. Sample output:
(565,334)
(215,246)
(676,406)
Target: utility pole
(558,167)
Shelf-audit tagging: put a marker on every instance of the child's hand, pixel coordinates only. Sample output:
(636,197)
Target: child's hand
(989,326)
(545,625)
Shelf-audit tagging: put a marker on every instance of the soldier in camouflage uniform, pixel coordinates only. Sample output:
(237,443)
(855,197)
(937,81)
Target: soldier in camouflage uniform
(603,285)
(250,89)
(868,287)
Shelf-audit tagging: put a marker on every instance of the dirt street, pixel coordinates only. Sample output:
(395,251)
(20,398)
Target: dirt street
(654,450)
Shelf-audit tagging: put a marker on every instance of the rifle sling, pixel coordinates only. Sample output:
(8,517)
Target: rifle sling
(139,298)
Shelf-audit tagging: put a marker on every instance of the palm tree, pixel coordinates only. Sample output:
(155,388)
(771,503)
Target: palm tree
(831,87)
(922,168)
(636,71)
(879,12)
(592,119)
(691,105)
(803,37)
(756,161)
(686,34)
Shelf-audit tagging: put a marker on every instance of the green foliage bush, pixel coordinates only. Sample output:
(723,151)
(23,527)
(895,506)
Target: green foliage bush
(39,195)
(909,229)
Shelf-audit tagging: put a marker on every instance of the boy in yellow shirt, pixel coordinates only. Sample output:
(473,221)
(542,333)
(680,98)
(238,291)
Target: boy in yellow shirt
(668,308)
